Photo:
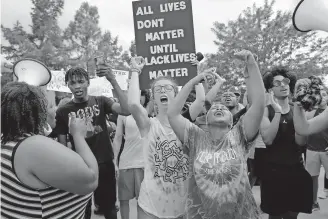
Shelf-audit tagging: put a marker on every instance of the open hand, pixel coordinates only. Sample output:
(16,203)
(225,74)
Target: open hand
(274,103)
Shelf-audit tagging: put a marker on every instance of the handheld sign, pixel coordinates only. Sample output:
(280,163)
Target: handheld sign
(164,35)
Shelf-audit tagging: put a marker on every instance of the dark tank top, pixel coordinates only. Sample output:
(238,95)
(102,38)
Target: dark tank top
(319,141)
(284,150)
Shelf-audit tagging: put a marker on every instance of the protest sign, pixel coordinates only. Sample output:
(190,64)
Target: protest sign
(100,86)
(57,82)
(164,35)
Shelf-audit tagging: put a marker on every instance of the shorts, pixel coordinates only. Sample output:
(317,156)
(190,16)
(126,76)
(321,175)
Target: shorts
(314,160)
(285,189)
(129,182)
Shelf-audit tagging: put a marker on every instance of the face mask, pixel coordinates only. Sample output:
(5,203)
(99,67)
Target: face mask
(47,130)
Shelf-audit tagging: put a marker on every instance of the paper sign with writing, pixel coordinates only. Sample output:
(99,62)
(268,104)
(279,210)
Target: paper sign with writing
(57,82)
(164,35)
(100,86)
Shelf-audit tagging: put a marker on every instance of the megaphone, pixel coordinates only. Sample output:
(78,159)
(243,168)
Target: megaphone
(32,72)
(311,15)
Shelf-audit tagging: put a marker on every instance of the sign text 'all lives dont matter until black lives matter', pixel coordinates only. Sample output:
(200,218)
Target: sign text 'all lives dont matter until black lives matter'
(164,35)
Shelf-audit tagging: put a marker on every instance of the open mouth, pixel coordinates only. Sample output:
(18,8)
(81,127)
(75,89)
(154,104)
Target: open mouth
(219,113)
(284,90)
(78,93)
(164,99)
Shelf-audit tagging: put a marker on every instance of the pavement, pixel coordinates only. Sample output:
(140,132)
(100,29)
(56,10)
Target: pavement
(322,214)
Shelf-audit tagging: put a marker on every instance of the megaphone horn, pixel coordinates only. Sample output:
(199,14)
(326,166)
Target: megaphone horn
(311,15)
(32,72)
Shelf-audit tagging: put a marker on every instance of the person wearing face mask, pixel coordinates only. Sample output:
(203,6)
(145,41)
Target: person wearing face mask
(286,187)
(219,187)
(163,191)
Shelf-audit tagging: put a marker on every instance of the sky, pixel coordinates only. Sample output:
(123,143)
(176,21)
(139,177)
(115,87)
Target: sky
(116,16)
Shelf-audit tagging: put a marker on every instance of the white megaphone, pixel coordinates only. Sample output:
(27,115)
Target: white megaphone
(32,72)
(311,15)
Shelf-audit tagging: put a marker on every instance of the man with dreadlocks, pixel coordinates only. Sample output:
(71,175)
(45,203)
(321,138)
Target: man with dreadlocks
(94,110)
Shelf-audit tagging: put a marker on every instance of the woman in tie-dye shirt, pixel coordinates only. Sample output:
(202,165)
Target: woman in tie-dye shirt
(164,189)
(219,187)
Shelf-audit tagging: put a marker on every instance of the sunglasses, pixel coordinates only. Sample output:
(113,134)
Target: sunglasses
(167,87)
(284,81)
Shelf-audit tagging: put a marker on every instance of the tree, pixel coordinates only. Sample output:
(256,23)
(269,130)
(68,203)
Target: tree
(84,40)
(272,37)
(44,43)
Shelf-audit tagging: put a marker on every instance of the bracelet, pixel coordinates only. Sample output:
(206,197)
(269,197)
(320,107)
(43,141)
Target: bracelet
(135,70)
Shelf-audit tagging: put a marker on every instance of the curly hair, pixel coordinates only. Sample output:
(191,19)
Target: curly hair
(146,94)
(175,84)
(23,111)
(78,72)
(268,78)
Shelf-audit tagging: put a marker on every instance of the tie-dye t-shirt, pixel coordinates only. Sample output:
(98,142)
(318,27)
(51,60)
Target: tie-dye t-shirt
(163,191)
(219,187)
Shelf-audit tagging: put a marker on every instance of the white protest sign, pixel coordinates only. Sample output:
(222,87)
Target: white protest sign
(57,82)
(100,87)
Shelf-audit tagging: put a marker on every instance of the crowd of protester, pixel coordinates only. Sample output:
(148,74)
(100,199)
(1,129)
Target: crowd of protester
(181,154)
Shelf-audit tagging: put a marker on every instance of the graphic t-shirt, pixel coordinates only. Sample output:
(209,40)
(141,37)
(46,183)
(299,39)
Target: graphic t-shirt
(163,192)
(94,112)
(219,186)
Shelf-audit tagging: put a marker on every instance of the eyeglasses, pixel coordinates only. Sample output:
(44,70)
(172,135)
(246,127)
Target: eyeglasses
(167,87)
(284,81)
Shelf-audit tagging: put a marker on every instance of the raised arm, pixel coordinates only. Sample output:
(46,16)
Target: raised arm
(58,166)
(210,96)
(308,127)
(138,112)
(119,108)
(177,121)
(256,92)
(197,106)
(118,137)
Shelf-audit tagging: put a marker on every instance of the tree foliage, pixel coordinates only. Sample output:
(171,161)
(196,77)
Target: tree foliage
(77,45)
(271,36)
(44,42)
(84,40)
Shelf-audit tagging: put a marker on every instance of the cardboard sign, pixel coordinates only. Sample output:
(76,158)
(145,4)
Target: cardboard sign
(164,35)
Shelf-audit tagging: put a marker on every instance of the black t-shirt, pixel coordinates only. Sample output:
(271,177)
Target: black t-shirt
(284,150)
(94,112)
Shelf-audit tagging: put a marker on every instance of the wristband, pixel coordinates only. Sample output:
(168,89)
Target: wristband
(136,70)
